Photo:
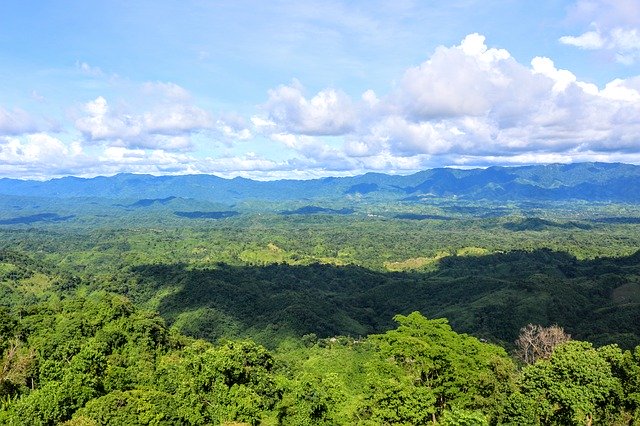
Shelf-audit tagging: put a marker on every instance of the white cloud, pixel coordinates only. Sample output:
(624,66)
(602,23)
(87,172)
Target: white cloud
(590,40)
(624,43)
(473,103)
(39,155)
(467,105)
(41,147)
(314,150)
(163,117)
(329,112)
(101,124)
(370,98)
(262,124)
(176,119)
(167,125)
(464,80)
(469,102)
(234,134)
(232,128)
(154,161)
(619,90)
(424,137)
(616,26)
(16,122)
(562,78)
(473,45)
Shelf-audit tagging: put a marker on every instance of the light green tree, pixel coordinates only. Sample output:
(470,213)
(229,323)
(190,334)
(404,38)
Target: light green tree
(576,386)
(458,371)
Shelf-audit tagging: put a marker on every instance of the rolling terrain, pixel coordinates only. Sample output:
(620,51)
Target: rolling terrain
(374,299)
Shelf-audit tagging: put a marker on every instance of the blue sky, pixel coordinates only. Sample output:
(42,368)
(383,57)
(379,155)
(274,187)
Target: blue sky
(302,89)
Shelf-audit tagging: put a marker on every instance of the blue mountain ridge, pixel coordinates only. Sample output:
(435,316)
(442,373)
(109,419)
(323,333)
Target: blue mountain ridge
(615,182)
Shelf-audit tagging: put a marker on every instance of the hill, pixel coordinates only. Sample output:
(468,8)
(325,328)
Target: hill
(581,181)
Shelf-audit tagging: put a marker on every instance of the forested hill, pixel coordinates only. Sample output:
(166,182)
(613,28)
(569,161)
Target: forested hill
(580,181)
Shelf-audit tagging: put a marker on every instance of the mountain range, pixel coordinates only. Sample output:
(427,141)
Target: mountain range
(613,182)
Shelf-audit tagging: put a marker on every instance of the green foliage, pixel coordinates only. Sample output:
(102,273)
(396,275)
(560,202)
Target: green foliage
(397,402)
(98,360)
(492,296)
(135,407)
(628,370)
(458,417)
(330,379)
(8,327)
(309,400)
(575,386)
(458,370)
(81,342)
(206,323)
(54,402)
(83,347)
(232,382)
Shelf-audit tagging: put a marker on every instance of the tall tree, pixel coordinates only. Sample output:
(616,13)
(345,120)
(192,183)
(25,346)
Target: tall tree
(458,370)
(538,342)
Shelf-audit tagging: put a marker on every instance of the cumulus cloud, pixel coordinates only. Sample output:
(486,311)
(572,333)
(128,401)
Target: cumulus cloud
(329,112)
(39,155)
(469,105)
(589,40)
(100,124)
(176,120)
(463,80)
(466,104)
(232,128)
(513,108)
(167,125)
(38,148)
(163,116)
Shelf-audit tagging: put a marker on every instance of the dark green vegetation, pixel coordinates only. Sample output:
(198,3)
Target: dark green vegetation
(198,300)
(40,217)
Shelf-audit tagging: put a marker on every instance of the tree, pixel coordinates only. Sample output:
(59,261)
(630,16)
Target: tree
(458,370)
(537,342)
(397,401)
(575,386)
(135,407)
(309,400)
(232,382)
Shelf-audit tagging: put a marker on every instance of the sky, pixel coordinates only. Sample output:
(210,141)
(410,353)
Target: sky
(303,89)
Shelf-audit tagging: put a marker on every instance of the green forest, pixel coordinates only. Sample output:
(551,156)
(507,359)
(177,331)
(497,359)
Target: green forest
(391,313)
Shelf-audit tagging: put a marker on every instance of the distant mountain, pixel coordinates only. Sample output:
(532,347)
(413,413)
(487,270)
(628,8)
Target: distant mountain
(580,181)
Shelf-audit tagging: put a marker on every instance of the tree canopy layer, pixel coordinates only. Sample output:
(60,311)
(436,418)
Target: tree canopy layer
(121,311)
